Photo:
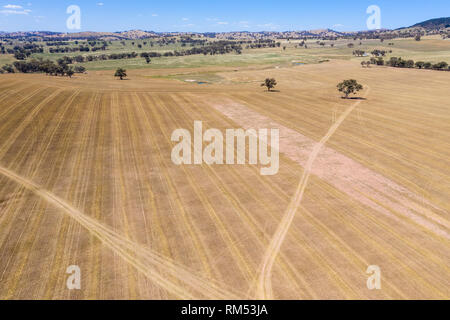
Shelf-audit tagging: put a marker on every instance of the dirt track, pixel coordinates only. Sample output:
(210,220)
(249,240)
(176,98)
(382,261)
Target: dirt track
(86,178)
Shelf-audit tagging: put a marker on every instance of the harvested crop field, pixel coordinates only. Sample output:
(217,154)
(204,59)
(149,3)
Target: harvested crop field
(86,179)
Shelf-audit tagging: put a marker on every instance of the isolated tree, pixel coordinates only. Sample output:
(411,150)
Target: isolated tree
(349,87)
(121,73)
(147,59)
(270,83)
(418,38)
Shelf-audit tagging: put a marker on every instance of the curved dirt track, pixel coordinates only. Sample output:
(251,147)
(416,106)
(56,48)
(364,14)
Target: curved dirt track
(265,279)
(147,262)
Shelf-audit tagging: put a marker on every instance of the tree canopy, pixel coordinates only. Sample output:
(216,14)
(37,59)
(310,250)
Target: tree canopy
(269,83)
(121,73)
(349,87)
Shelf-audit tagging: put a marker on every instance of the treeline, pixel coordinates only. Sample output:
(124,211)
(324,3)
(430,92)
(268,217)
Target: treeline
(80,48)
(22,52)
(401,63)
(376,53)
(42,66)
(102,57)
(219,47)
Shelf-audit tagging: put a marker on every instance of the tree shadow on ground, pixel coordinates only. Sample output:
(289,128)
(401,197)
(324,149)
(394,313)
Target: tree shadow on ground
(353,98)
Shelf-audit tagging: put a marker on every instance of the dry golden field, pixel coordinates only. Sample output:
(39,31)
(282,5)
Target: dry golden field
(86,178)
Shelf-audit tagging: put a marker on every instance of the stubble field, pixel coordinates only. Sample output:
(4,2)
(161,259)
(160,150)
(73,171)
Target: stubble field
(86,178)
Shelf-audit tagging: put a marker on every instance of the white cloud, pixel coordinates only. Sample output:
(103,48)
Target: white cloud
(185,19)
(100,4)
(338,25)
(15,12)
(222,23)
(269,26)
(12,6)
(244,24)
(154,15)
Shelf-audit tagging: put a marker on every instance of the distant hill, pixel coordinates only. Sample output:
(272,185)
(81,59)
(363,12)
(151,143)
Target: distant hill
(438,23)
(432,26)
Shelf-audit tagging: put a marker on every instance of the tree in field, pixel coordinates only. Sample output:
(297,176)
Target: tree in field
(147,59)
(420,64)
(418,38)
(8,68)
(270,83)
(70,72)
(121,73)
(80,69)
(349,87)
(427,65)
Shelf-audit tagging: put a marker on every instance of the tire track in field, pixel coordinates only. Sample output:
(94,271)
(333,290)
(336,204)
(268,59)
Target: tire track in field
(18,160)
(8,109)
(142,259)
(403,201)
(32,170)
(264,290)
(259,232)
(175,199)
(25,122)
(233,200)
(225,233)
(394,257)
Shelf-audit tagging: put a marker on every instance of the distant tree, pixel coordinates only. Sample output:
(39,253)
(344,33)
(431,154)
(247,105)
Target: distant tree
(349,87)
(379,61)
(147,59)
(420,64)
(427,65)
(350,45)
(8,68)
(359,53)
(80,69)
(270,83)
(20,55)
(363,63)
(121,73)
(418,38)
(409,64)
(70,72)
(440,66)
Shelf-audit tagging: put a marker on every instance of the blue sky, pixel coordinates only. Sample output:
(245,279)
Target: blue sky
(213,15)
